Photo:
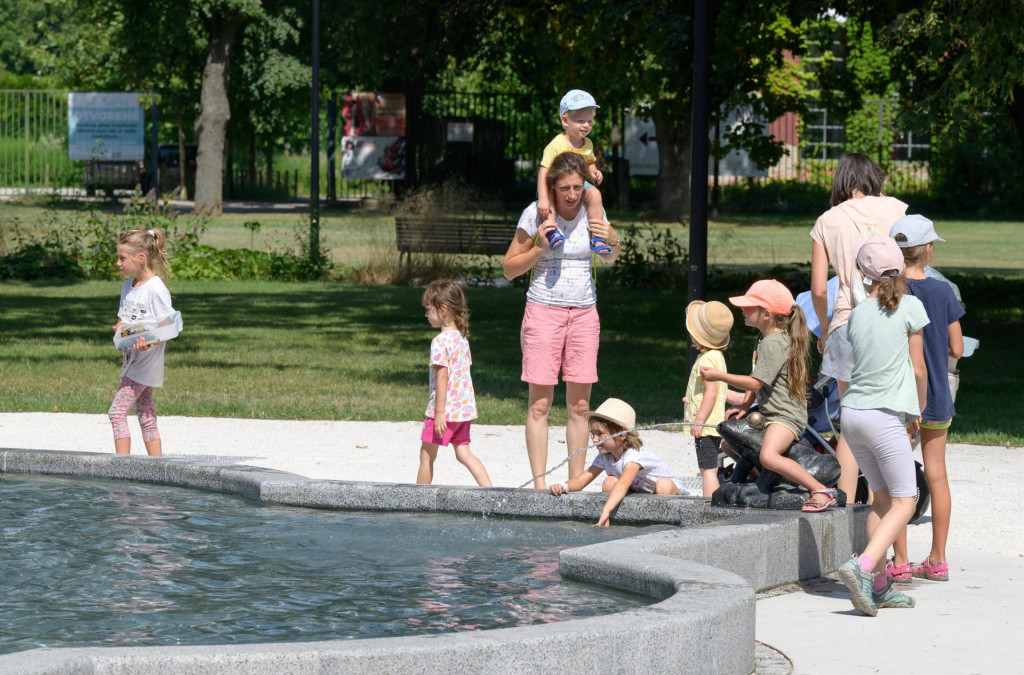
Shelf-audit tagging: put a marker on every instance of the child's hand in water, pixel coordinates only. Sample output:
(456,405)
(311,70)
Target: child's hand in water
(710,374)
(605,520)
(440,425)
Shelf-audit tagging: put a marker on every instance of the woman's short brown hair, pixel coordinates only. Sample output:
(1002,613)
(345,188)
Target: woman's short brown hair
(856,172)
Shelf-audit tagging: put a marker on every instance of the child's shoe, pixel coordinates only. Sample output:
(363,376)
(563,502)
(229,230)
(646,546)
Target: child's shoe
(859,583)
(936,572)
(556,238)
(599,246)
(890,597)
(901,575)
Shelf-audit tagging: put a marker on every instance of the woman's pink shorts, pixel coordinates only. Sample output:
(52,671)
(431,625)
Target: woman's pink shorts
(457,433)
(559,338)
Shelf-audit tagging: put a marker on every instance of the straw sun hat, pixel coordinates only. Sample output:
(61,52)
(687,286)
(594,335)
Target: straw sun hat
(709,323)
(616,411)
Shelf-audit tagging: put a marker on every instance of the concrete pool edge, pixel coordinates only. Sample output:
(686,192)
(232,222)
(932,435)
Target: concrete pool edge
(707,574)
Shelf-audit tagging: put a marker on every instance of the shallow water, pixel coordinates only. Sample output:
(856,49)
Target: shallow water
(93,562)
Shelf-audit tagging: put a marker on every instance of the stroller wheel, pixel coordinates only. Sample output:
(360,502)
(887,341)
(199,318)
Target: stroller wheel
(923,498)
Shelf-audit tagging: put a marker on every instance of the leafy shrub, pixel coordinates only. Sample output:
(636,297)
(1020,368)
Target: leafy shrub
(785,197)
(206,262)
(89,250)
(37,261)
(650,258)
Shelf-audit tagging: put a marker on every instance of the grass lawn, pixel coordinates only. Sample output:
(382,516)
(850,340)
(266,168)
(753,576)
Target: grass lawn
(328,351)
(361,237)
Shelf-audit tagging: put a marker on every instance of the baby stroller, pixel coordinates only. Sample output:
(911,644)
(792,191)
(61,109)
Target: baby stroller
(823,418)
(823,402)
(822,433)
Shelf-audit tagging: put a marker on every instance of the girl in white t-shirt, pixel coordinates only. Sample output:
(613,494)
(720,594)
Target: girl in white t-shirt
(452,403)
(622,456)
(145,304)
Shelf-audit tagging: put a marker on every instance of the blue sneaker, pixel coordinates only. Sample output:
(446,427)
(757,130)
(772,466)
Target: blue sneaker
(556,238)
(859,583)
(890,597)
(599,246)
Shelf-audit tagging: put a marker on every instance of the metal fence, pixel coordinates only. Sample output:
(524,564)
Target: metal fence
(823,139)
(34,144)
(507,135)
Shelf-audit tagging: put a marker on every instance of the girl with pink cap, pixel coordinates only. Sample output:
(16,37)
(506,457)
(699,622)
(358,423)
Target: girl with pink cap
(777,382)
(888,389)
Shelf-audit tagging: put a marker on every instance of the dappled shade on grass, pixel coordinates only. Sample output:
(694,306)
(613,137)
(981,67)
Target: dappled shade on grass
(328,351)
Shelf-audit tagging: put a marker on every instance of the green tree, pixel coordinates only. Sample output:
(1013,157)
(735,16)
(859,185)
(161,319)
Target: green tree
(640,52)
(848,71)
(25,26)
(271,107)
(181,48)
(960,61)
(219,22)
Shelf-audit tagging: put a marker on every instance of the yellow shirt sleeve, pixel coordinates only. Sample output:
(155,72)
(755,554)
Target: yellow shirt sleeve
(560,144)
(695,390)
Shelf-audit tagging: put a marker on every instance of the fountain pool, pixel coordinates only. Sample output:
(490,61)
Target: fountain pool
(98,562)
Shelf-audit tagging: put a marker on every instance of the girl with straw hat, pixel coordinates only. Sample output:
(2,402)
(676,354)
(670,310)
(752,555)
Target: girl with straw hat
(629,466)
(708,324)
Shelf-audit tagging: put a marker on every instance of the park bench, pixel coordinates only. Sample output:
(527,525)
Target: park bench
(452,234)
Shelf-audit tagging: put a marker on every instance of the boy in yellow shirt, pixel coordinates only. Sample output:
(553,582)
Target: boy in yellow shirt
(576,111)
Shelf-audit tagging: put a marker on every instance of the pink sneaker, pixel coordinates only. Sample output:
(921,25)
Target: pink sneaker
(901,575)
(936,572)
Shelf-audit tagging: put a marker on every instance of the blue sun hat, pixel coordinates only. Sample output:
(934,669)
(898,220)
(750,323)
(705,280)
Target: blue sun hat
(916,229)
(577,99)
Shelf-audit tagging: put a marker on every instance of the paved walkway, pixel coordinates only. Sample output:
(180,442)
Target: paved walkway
(969,624)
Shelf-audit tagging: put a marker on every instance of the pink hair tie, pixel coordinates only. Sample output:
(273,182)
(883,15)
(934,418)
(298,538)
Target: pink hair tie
(151,233)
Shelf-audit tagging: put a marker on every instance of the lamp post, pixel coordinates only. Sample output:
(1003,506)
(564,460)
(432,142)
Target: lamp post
(697,277)
(314,143)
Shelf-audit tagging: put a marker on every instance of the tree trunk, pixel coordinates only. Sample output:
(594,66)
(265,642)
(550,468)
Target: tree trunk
(673,191)
(214,113)
(252,160)
(182,160)
(1017,114)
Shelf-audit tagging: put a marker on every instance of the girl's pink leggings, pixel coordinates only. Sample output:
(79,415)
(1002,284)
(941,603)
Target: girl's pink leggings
(129,393)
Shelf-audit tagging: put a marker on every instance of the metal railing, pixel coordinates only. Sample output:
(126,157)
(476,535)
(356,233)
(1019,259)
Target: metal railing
(34,144)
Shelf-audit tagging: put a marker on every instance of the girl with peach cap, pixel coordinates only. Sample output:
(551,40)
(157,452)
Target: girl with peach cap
(777,382)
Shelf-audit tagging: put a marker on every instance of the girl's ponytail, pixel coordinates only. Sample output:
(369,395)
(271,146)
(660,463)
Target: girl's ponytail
(890,291)
(153,244)
(799,353)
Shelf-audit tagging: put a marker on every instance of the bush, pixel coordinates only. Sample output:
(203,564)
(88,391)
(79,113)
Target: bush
(88,251)
(36,261)
(979,170)
(650,258)
(206,262)
(784,197)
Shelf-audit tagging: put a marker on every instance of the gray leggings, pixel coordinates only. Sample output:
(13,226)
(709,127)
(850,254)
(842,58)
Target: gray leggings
(880,444)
